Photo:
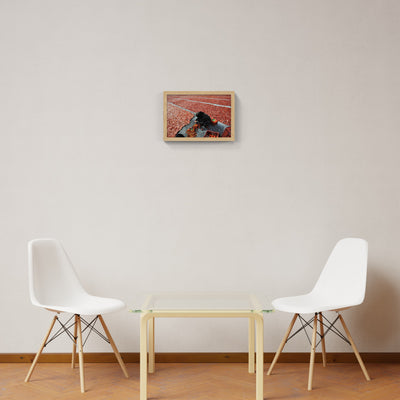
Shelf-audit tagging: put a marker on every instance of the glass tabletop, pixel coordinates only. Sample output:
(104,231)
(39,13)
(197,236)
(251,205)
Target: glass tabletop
(204,301)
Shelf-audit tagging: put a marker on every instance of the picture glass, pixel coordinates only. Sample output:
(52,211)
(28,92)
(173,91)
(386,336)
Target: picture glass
(197,116)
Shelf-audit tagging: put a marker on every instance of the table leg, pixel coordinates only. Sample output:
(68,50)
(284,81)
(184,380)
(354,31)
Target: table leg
(251,345)
(260,356)
(143,356)
(151,346)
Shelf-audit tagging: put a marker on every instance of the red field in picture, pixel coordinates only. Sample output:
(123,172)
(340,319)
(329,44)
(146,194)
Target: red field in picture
(198,116)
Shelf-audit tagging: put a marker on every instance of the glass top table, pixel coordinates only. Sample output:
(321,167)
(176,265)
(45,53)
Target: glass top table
(204,301)
(203,305)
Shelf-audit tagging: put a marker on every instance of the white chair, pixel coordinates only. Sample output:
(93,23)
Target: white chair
(54,285)
(340,286)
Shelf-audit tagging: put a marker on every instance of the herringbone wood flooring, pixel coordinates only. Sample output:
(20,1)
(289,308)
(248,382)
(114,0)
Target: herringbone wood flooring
(200,381)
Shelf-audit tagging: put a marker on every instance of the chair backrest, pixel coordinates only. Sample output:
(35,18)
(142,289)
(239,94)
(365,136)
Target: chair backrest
(344,276)
(52,279)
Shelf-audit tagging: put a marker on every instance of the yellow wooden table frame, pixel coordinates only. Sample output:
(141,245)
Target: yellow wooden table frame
(147,329)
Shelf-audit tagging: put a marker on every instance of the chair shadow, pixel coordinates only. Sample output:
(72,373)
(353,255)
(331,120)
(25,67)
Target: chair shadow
(379,315)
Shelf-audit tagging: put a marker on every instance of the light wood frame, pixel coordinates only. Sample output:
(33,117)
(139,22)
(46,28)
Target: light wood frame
(256,326)
(198,139)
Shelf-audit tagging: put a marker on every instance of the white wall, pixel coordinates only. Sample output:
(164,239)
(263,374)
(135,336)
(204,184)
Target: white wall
(316,157)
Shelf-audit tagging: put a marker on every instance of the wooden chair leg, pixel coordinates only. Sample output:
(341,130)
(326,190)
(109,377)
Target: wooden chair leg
(114,347)
(282,345)
(321,328)
(312,355)
(80,349)
(74,344)
(359,359)
(40,350)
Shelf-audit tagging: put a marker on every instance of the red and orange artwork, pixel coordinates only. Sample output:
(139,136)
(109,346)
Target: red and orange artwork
(197,116)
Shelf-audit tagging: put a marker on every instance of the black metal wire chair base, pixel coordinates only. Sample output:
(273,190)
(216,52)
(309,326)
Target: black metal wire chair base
(65,328)
(325,322)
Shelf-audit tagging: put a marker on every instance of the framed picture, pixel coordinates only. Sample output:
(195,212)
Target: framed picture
(199,116)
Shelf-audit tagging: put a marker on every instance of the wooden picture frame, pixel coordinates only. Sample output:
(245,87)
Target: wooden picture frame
(199,116)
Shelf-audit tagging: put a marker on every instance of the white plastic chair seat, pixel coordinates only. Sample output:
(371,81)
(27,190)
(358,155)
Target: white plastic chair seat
(87,304)
(307,304)
(54,284)
(341,283)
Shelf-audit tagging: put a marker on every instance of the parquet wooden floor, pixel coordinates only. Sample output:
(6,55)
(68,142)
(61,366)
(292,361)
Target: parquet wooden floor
(200,381)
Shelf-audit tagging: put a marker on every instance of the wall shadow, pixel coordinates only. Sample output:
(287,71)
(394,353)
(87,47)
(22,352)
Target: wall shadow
(379,315)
